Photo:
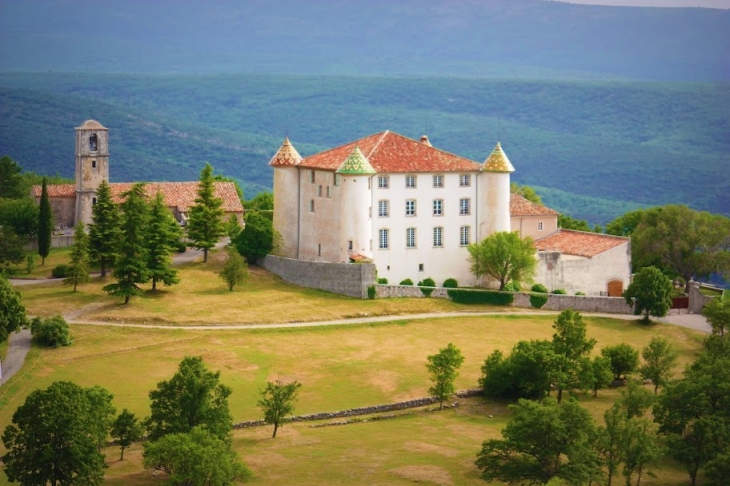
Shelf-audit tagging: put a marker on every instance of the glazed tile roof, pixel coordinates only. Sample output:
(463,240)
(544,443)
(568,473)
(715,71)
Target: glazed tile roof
(579,243)
(177,194)
(389,152)
(286,155)
(519,206)
(356,163)
(498,161)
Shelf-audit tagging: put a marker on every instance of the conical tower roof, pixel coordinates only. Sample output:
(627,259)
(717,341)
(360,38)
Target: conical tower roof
(356,163)
(497,161)
(286,155)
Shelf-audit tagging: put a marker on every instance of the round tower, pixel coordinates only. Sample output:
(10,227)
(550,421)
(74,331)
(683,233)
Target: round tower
(356,228)
(92,166)
(286,197)
(494,194)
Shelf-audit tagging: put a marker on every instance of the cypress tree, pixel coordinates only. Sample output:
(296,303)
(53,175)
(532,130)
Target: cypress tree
(105,232)
(163,233)
(45,224)
(130,268)
(78,270)
(205,226)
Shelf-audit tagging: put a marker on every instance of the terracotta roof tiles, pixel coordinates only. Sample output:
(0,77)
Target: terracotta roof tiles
(579,243)
(519,206)
(286,155)
(56,190)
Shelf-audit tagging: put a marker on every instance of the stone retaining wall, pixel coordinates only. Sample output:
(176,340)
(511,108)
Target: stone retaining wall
(349,279)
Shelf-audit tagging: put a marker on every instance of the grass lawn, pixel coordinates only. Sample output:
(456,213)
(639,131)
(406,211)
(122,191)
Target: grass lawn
(339,367)
(55,257)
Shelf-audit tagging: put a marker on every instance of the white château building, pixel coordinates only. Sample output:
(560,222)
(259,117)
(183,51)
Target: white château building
(412,210)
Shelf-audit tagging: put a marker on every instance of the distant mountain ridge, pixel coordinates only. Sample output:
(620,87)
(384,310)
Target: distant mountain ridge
(502,38)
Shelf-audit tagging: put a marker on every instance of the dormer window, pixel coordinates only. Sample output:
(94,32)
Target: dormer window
(93,143)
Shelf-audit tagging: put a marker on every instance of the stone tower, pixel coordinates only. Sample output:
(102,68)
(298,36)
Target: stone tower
(92,166)
(356,229)
(495,195)
(286,197)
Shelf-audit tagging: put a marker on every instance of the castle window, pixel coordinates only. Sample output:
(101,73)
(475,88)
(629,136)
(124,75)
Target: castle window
(311,205)
(464,236)
(539,226)
(329,191)
(438,181)
(383,239)
(464,180)
(410,237)
(411,181)
(93,164)
(93,143)
(420,267)
(411,207)
(319,250)
(464,206)
(383,208)
(93,200)
(437,234)
(383,182)
(311,176)
(438,207)
(337,179)
(319,191)
(349,245)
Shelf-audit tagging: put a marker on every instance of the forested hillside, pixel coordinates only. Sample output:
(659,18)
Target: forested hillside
(615,144)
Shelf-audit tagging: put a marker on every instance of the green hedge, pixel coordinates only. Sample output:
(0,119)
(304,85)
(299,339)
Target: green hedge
(492,297)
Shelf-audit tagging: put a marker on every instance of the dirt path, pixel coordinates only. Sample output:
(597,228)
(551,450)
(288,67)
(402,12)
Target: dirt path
(18,348)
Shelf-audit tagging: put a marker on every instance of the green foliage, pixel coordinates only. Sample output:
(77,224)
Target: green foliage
(407,281)
(277,401)
(443,368)
(659,360)
(382,281)
(263,201)
(126,429)
(258,237)
(525,373)
(450,283)
(45,224)
(11,181)
(193,396)
(566,222)
(624,359)
(462,296)
(580,293)
(54,438)
(527,192)
(596,374)
(505,257)
(60,271)
(427,285)
(571,348)
(542,441)
(196,458)
(20,215)
(12,249)
(205,226)
(717,313)
(540,288)
(101,415)
(625,224)
(235,270)
(51,331)
(652,292)
(12,311)
(105,233)
(233,227)
(559,292)
(635,399)
(29,264)
(130,266)
(77,271)
(538,300)
(372,293)
(162,234)
(513,287)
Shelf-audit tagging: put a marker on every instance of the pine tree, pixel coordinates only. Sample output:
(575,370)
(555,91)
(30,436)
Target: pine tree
(130,268)
(78,270)
(205,226)
(162,235)
(45,224)
(105,232)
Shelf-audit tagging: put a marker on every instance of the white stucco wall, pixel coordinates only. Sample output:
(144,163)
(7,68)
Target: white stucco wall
(286,204)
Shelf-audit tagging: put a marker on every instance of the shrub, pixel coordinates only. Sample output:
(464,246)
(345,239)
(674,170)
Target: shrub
(537,300)
(371,291)
(427,285)
(382,281)
(180,246)
(60,271)
(539,288)
(512,287)
(451,283)
(492,297)
(624,359)
(51,331)
(559,292)
(407,281)
(580,293)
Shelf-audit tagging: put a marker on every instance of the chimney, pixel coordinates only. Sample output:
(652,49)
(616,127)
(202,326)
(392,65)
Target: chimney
(424,140)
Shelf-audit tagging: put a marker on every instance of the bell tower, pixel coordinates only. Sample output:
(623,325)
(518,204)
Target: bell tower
(92,166)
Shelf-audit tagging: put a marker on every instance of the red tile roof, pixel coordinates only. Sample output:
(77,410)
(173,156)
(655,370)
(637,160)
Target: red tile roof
(579,243)
(519,206)
(177,194)
(390,152)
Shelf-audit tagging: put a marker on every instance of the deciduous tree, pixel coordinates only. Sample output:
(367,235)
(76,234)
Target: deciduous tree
(277,402)
(51,331)
(78,270)
(45,224)
(21,215)
(624,359)
(161,237)
(639,448)
(130,268)
(258,238)
(570,347)
(505,257)
(443,368)
(11,181)
(105,233)
(235,269)
(526,373)
(205,226)
(12,310)
(12,249)
(193,396)
(126,429)
(651,291)
(596,374)
(717,312)
(659,359)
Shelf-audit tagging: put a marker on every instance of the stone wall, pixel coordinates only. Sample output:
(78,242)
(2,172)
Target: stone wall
(348,279)
(608,305)
(697,300)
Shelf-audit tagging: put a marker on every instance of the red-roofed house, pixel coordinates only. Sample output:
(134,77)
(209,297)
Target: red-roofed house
(72,203)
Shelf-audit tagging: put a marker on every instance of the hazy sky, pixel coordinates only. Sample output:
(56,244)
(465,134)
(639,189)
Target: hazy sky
(659,3)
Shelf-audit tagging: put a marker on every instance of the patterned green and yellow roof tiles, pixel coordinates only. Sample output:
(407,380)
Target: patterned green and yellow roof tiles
(356,163)
(497,161)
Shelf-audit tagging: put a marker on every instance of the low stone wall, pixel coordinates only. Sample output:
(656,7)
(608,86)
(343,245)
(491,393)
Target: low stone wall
(387,291)
(57,241)
(351,279)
